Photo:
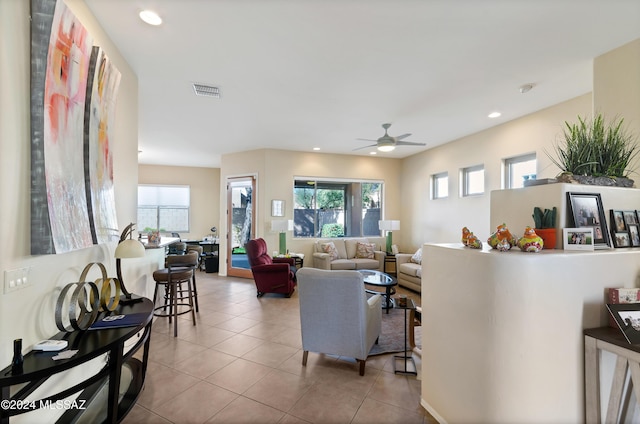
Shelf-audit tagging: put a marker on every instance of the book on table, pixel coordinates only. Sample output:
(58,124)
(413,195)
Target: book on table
(119,321)
(627,317)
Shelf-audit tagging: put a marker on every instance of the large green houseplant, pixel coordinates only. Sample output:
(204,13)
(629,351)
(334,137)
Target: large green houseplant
(595,152)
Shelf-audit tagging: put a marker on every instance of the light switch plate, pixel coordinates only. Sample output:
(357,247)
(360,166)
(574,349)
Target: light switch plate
(16,279)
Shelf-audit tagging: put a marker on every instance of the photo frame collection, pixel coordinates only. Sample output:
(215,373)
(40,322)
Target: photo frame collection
(625,231)
(587,211)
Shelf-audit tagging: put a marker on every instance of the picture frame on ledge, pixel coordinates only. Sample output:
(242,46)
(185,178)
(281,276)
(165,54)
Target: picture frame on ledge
(624,228)
(578,239)
(586,211)
(627,316)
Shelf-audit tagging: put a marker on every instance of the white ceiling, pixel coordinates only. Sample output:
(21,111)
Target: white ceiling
(298,74)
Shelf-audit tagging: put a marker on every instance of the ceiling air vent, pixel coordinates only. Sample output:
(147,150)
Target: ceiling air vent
(206,90)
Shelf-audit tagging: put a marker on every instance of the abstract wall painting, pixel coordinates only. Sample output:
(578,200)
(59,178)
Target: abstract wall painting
(68,151)
(102,92)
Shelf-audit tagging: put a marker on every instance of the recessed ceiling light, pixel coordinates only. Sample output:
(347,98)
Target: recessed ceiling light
(373,153)
(494,114)
(150,17)
(316,148)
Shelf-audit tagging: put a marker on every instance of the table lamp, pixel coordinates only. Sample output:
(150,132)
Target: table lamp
(127,248)
(389,226)
(282,226)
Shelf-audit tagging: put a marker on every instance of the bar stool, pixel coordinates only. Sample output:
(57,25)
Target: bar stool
(198,265)
(201,254)
(180,269)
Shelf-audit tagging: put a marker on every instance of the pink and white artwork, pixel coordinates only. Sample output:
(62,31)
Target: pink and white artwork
(65,86)
(101,101)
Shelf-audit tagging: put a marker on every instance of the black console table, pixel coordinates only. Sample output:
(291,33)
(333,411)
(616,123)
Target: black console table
(119,390)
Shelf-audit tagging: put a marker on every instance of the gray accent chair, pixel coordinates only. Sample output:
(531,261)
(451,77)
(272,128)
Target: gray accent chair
(336,316)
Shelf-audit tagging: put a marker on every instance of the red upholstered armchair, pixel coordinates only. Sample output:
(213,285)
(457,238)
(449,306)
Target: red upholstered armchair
(272,275)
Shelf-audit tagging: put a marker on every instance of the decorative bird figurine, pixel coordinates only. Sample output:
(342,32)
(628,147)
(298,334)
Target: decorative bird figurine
(502,239)
(530,242)
(473,241)
(465,236)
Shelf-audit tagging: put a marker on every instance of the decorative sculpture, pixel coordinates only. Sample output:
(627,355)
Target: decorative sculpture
(465,236)
(502,239)
(473,241)
(530,242)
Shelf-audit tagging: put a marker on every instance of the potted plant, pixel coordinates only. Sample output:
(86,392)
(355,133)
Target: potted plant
(595,152)
(545,225)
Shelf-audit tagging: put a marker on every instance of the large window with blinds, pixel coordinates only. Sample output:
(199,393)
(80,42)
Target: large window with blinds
(164,208)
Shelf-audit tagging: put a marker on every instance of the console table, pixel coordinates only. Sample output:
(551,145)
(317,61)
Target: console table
(121,394)
(627,365)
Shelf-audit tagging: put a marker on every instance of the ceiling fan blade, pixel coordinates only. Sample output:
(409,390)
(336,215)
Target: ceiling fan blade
(366,139)
(403,136)
(409,143)
(365,147)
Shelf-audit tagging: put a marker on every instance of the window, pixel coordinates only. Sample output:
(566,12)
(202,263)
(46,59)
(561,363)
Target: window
(518,169)
(440,185)
(163,207)
(335,208)
(472,180)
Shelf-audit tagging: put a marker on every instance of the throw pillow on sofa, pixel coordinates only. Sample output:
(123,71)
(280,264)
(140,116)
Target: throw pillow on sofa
(330,248)
(417,257)
(365,250)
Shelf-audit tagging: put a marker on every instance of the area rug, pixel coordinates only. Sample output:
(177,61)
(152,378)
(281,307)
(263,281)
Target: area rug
(392,333)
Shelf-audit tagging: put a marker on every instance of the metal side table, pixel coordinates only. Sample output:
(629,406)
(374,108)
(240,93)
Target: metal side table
(407,364)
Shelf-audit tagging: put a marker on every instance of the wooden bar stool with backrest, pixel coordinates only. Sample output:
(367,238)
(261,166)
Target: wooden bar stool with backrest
(180,269)
(200,255)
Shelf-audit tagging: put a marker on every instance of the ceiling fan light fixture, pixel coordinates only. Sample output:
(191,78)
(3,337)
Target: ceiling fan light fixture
(386,148)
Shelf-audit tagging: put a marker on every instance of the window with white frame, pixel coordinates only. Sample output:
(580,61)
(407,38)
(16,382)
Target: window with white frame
(163,207)
(472,179)
(440,185)
(519,169)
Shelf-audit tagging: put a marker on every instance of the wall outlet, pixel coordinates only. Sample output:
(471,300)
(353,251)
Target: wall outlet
(16,279)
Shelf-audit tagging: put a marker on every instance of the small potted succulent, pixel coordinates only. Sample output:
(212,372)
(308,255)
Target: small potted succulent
(545,225)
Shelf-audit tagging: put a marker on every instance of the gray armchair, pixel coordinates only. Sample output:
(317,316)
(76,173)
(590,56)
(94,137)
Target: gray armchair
(337,317)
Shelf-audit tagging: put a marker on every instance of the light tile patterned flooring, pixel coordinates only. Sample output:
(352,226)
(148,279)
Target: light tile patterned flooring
(242,363)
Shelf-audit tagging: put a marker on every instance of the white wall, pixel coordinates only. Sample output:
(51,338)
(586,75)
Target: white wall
(29,313)
(441,220)
(204,184)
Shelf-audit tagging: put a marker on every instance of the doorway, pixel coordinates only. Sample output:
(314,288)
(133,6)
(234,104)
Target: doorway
(241,216)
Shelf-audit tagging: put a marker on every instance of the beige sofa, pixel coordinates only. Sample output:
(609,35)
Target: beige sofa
(347,255)
(409,273)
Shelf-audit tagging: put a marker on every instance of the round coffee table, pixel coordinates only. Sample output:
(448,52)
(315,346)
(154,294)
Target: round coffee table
(380,279)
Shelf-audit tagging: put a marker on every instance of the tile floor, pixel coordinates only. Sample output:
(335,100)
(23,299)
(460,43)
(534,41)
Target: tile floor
(242,363)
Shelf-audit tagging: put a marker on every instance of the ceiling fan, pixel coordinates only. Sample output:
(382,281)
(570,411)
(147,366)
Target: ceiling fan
(387,143)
